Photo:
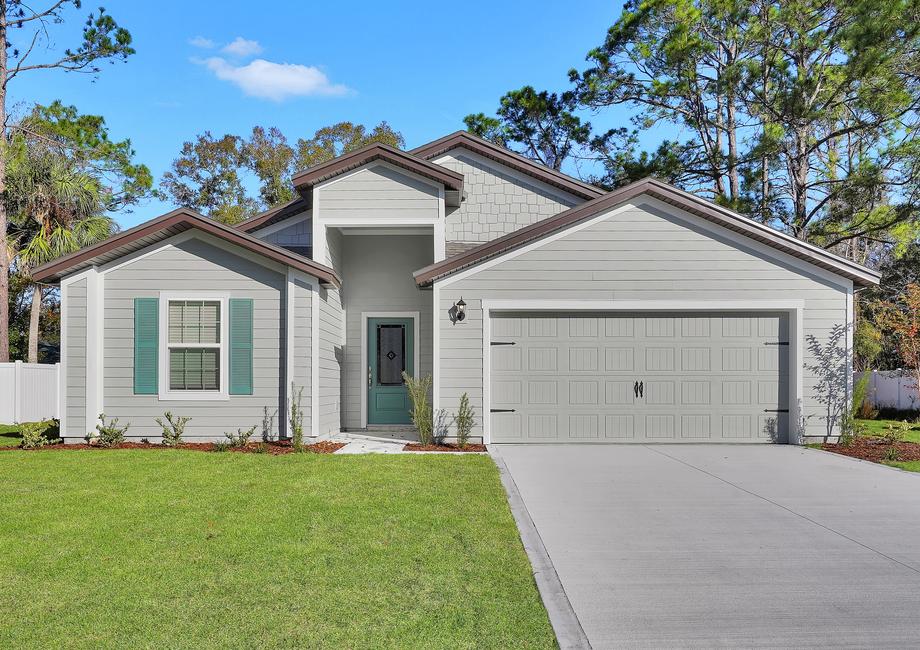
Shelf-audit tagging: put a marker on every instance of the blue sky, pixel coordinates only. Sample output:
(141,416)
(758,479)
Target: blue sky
(303,65)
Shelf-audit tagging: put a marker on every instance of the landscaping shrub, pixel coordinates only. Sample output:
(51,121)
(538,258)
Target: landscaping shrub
(108,434)
(38,434)
(173,429)
(464,420)
(222,445)
(296,418)
(421,410)
(895,432)
(240,438)
(268,425)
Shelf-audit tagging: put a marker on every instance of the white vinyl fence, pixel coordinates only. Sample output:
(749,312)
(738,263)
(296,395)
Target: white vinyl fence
(891,389)
(29,392)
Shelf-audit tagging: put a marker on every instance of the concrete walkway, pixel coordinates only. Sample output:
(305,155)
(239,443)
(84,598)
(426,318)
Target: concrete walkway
(727,546)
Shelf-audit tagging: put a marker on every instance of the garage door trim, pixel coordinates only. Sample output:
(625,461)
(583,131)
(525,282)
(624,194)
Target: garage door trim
(794,308)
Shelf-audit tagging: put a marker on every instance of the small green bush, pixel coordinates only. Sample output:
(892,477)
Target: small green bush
(38,434)
(421,411)
(464,420)
(261,448)
(222,445)
(173,429)
(240,438)
(108,434)
(892,454)
(268,425)
(296,418)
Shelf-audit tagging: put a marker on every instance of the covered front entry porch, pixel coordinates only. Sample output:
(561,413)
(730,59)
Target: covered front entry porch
(388,326)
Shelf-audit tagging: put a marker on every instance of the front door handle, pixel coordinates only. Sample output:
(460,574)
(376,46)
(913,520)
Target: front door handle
(369,381)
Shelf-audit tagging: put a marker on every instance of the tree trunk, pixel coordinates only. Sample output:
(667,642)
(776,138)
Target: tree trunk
(34,315)
(4,253)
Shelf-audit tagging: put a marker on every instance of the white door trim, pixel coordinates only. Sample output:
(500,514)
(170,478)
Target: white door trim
(416,348)
(794,308)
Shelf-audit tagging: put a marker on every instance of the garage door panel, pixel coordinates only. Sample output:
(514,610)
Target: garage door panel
(576,377)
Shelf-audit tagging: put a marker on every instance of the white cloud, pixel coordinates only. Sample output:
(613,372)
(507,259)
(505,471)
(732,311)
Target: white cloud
(202,42)
(242,48)
(275,81)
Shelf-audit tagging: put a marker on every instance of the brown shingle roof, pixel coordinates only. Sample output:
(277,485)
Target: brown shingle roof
(509,159)
(859,274)
(167,225)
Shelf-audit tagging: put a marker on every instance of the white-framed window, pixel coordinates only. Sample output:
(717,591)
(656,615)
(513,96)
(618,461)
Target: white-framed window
(193,346)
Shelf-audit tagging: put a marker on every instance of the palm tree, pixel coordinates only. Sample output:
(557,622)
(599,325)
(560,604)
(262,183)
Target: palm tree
(55,209)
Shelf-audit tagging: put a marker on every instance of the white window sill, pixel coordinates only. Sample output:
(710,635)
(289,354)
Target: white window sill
(194,396)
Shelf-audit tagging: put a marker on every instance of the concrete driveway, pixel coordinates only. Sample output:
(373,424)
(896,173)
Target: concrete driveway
(733,546)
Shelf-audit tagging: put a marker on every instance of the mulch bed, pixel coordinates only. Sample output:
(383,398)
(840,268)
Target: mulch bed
(414,446)
(875,449)
(275,448)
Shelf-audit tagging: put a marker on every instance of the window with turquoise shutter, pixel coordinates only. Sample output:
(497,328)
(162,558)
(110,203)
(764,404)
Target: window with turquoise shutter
(240,346)
(194,345)
(146,342)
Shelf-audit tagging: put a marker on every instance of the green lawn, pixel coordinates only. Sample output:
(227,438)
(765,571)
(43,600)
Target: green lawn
(911,466)
(877,428)
(171,548)
(9,435)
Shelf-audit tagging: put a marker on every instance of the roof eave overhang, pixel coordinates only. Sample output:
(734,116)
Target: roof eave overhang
(170,224)
(858,274)
(305,181)
(510,159)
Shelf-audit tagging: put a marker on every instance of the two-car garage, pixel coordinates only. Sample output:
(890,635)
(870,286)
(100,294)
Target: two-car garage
(639,377)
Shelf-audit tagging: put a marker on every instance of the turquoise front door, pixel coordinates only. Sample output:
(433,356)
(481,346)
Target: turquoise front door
(390,351)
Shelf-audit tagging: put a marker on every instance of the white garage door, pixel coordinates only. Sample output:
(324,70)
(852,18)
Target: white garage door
(644,377)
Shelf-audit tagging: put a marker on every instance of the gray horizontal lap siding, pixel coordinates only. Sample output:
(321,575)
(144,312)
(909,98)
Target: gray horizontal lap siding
(331,358)
(302,375)
(378,278)
(378,191)
(497,201)
(644,253)
(196,266)
(75,362)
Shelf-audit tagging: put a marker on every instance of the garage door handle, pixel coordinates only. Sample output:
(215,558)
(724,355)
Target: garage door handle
(641,389)
(776,410)
(636,389)
(501,410)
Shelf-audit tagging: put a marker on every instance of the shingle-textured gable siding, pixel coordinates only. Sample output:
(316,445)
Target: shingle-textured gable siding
(195,265)
(78,425)
(497,200)
(647,252)
(297,232)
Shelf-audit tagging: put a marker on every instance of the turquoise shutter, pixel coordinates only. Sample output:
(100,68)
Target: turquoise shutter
(240,346)
(146,342)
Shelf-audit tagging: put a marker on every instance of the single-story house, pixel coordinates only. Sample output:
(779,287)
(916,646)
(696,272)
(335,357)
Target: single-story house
(566,313)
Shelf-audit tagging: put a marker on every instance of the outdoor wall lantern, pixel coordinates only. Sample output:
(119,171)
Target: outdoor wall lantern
(458,312)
